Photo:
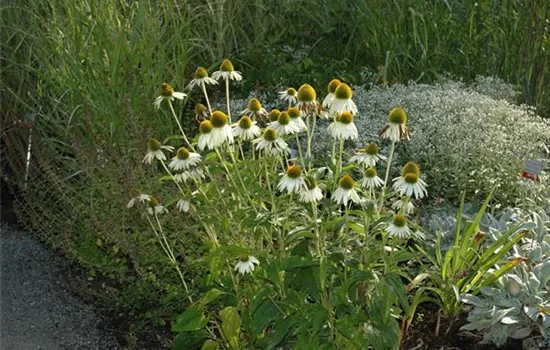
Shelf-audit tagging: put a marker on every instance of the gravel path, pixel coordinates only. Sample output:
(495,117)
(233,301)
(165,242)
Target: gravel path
(36,309)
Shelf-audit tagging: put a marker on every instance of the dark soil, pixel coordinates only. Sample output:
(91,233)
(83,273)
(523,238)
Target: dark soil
(7,214)
(421,335)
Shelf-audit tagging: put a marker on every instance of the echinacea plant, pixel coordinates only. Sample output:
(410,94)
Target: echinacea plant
(297,250)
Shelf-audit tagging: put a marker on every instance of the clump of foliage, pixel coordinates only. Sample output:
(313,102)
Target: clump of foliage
(465,140)
(518,304)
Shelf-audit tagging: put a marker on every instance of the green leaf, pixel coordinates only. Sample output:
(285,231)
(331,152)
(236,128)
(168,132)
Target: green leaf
(210,296)
(231,325)
(186,341)
(210,345)
(191,320)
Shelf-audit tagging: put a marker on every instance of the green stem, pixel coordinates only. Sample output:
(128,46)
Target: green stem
(299,150)
(172,258)
(227,99)
(311,131)
(388,167)
(316,229)
(203,85)
(179,125)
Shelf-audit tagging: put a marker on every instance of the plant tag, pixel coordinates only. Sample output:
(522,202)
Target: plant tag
(532,169)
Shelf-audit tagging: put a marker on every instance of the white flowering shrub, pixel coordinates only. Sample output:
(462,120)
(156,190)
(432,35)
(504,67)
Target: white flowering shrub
(462,138)
(495,88)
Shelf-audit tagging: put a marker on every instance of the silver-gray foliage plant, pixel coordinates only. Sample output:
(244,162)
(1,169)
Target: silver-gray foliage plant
(518,306)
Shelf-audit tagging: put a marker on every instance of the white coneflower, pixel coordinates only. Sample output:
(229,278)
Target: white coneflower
(311,193)
(154,151)
(183,205)
(293,181)
(307,100)
(410,183)
(205,137)
(271,143)
(155,207)
(201,112)
(398,227)
(284,126)
(137,196)
(296,118)
(403,205)
(396,129)
(343,127)
(246,264)
(246,129)
(184,160)
(167,93)
(368,156)
(201,79)
(289,95)
(221,131)
(273,115)
(196,174)
(342,101)
(371,180)
(227,72)
(327,102)
(254,109)
(345,191)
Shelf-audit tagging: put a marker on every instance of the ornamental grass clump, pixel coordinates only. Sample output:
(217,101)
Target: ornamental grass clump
(287,231)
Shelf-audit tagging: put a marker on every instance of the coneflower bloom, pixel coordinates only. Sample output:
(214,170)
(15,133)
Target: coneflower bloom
(137,196)
(343,127)
(183,205)
(371,180)
(184,160)
(155,207)
(345,191)
(307,100)
(396,129)
(205,135)
(368,156)
(284,126)
(201,79)
(154,151)
(327,102)
(398,227)
(167,93)
(311,193)
(246,264)
(410,183)
(296,118)
(342,101)
(255,109)
(201,112)
(289,96)
(227,72)
(293,181)
(403,205)
(195,174)
(273,115)
(221,131)
(271,143)
(246,129)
